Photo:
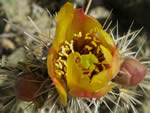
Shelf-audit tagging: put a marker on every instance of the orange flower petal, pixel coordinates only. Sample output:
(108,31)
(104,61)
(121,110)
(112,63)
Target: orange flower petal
(115,63)
(51,61)
(103,91)
(78,92)
(83,23)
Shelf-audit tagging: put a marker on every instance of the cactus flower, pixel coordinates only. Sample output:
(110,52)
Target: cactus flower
(83,58)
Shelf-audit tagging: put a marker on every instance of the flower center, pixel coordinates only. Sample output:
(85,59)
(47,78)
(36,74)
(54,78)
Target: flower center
(89,47)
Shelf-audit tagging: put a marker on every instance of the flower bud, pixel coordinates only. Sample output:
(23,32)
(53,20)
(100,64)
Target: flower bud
(132,72)
(27,86)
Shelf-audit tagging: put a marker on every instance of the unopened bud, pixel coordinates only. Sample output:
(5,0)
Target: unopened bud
(27,86)
(132,72)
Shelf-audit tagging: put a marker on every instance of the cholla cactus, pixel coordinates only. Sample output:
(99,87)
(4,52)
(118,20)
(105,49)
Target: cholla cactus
(82,70)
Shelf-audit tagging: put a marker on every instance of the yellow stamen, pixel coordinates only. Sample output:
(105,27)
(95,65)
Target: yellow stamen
(94,44)
(59,73)
(88,47)
(78,35)
(59,65)
(103,67)
(87,37)
(98,49)
(64,51)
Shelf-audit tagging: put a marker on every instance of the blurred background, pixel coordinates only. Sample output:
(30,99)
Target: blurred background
(123,11)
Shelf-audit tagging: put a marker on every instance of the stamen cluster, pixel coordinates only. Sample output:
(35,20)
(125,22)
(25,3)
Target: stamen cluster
(90,45)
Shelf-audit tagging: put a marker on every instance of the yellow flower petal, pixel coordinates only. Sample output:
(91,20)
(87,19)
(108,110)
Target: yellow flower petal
(61,90)
(74,75)
(100,80)
(106,39)
(64,19)
(60,85)
(78,82)
(107,55)
(72,21)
